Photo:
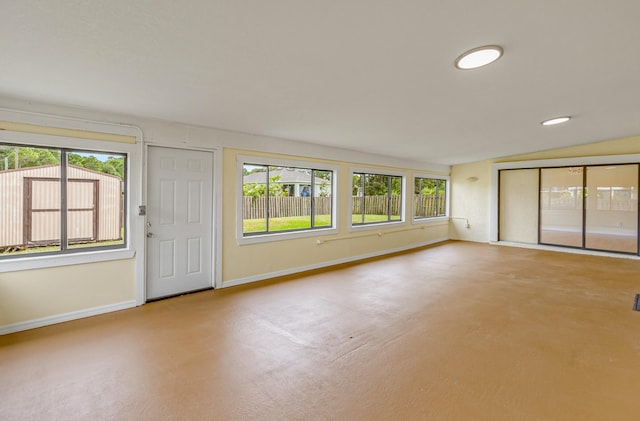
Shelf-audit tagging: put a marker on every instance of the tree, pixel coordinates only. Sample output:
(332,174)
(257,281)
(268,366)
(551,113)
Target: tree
(20,157)
(114,165)
(322,188)
(14,157)
(260,189)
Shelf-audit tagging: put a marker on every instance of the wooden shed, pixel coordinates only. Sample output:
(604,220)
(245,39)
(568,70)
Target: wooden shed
(30,206)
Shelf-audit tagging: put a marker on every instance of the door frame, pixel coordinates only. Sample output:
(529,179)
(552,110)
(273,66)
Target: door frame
(545,163)
(216,215)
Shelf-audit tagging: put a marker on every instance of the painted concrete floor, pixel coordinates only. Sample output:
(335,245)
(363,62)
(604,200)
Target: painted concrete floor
(459,331)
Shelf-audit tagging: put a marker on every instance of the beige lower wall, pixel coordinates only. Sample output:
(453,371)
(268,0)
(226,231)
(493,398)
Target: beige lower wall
(255,260)
(39,293)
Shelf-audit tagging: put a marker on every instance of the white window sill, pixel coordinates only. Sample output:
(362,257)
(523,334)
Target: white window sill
(436,220)
(40,262)
(280,236)
(375,226)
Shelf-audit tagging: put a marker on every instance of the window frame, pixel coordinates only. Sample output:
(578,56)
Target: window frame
(243,239)
(427,219)
(403,200)
(65,244)
(131,190)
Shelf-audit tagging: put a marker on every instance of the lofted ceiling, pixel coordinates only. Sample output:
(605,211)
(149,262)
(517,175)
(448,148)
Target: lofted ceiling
(367,75)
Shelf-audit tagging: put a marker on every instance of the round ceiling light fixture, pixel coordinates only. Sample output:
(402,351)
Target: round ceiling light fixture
(556,120)
(478,57)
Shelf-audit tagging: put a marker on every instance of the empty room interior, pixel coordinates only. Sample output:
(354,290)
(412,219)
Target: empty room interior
(354,210)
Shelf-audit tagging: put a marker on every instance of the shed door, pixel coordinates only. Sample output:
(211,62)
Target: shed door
(42,210)
(179,221)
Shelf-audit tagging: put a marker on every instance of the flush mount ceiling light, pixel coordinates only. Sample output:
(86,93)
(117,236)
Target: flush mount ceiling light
(478,57)
(557,120)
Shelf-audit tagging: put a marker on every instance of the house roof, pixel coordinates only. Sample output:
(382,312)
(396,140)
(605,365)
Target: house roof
(287,176)
(365,75)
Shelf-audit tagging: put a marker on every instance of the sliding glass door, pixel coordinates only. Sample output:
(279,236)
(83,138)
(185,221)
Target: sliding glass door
(561,200)
(592,207)
(612,208)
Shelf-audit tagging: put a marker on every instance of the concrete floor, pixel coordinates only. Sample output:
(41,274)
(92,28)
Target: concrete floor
(459,331)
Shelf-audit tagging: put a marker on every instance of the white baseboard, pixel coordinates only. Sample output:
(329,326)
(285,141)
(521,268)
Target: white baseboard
(264,276)
(59,318)
(565,249)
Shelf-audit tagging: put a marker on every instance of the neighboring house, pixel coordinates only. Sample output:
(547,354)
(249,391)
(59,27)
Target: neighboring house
(295,183)
(30,206)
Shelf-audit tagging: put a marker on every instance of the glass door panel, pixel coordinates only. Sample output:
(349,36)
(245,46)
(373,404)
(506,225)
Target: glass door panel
(561,206)
(612,208)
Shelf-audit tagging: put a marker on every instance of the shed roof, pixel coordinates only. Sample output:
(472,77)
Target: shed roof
(39,167)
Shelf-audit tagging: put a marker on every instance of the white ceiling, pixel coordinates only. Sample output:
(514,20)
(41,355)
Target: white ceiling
(367,75)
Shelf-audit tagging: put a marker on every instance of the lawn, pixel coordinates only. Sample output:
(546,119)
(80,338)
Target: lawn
(300,222)
(285,224)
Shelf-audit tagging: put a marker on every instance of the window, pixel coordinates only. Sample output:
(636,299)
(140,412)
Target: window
(376,198)
(59,200)
(430,197)
(285,197)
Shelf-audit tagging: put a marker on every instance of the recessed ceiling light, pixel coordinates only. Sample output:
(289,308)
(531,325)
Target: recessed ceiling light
(478,57)
(557,120)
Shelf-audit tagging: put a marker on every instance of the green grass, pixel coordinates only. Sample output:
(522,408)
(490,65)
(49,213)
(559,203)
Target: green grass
(285,224)
(301,222)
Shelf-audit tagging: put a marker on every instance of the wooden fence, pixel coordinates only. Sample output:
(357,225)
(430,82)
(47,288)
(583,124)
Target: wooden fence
(427,207)
(286,206)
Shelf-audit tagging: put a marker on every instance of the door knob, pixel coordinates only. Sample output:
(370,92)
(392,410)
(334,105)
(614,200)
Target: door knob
(149,235)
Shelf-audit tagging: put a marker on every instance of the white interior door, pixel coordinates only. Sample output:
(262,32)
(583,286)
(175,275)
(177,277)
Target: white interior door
(179,221)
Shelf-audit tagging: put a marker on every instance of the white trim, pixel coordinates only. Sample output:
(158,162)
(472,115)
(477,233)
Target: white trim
(141,229)
(376,225)
(56,260)
(435,220)
(494,206)
(545,247)
(41,119)
(545,163)
(285,235)
(569,162)
(241,160)
(217,217)
(65,317)
(291,271)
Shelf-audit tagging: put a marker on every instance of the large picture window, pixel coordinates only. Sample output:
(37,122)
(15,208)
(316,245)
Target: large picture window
(57,200)
(285,198)
(376,198)
(430,197)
